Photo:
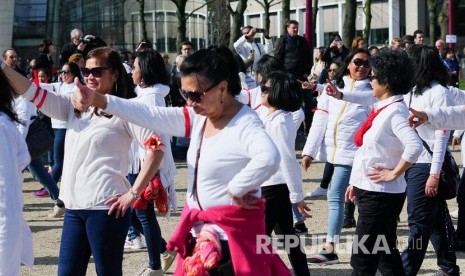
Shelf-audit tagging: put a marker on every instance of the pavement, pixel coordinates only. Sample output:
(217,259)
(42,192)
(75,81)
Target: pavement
(47,231)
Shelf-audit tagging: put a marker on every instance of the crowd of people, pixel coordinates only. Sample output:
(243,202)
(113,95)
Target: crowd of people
(121,118)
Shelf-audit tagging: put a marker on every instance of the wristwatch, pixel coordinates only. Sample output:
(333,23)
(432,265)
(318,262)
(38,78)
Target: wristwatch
(135,195)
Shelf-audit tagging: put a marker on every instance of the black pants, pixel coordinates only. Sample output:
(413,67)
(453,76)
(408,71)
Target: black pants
(327,175)
(461,204)
(278,217)
(375,238)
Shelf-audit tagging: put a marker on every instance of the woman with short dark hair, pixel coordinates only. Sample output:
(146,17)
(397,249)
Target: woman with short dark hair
(377,180)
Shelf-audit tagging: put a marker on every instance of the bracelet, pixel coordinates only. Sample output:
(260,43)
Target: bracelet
(134,195)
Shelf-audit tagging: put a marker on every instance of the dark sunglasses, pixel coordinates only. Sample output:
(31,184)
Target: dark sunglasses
(360,62)
(371,77)
(195,96)
(265,89)
(64,71)
(96,71)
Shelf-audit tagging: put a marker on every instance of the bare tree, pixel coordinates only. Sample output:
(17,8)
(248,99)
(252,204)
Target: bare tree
(348,29)
(368,17)
(443,19)
(431,5)
(237,20)
(285,14)
(182,19)
(142,19)
(266,5)
(220,25)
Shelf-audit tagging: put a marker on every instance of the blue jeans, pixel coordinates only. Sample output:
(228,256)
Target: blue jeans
(427,221)
(296,214)
(336,191)
(38,171)
(58,153)
(87,232)
(145,221)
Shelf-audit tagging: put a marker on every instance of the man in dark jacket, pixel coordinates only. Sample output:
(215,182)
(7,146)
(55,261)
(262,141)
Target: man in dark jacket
(293,52)
(71,47)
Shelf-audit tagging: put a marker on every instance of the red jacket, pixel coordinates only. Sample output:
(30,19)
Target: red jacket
(242,227)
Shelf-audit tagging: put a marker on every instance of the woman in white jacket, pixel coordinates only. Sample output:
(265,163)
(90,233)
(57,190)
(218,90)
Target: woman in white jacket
(15,235)
(152,86)
(332,134)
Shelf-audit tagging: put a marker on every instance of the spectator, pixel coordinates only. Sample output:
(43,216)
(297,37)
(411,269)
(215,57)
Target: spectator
(128,59)
(336,51)
(440,45)
(453,67)
(187,48)
(358,42)
(251,51)
(373,50)
(78,59)
(407,41)
(71,47)
(293,52)
(419,37)
(11,59)
(396,43)
(44,60)
(166,61)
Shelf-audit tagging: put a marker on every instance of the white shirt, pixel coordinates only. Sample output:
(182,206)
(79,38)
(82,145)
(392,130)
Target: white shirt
(96,160)
(15,236)
(243,48)
(68,89)
(389,139)
(281,128)
(238,159)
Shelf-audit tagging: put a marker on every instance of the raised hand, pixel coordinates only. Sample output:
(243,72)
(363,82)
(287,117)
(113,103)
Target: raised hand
(417,118)
(83,97)
(332,90)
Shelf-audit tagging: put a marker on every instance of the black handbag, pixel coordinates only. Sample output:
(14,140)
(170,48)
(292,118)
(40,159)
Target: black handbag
(39,138)
(450,176)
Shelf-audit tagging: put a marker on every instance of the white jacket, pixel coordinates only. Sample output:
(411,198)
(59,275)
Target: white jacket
(334,125)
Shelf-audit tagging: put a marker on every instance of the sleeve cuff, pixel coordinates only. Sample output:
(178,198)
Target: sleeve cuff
(296,197)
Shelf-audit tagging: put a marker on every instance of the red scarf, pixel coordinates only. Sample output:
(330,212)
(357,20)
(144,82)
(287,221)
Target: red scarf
(358,138)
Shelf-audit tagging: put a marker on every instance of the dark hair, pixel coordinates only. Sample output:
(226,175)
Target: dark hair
(240,63)
(6,50)
(125,55)
(45,45)
(187,43)
(428,67)
(6,98)
(417,32)
(152,68)
(290,22)
(395,69)
(110,58)
(343,68)
(285,92)
(266,65)
(214,64)
(145,44)
(75,70)
(321,50)
(407,39)
(46,71)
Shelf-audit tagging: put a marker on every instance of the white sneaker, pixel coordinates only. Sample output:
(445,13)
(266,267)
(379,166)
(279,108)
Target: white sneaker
(167,259)
(136,243)
(318,192)
(57,212)
(150,272)
(455,214)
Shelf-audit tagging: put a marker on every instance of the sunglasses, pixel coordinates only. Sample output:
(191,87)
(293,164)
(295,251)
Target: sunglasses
(195,96)
(64,71)
(96,71)
(371,77)
(360,62)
